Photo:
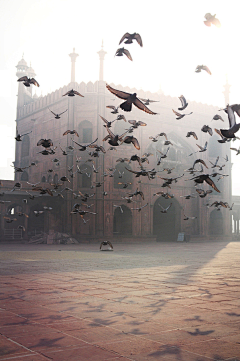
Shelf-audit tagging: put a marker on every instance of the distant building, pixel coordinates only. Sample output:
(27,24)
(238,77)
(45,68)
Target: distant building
(83,115)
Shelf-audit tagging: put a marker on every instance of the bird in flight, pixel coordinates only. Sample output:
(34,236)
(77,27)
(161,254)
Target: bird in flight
(71,132)
(202,193)
(122,51)
(199,68)
(72,93)
(193,134)
(129,100)
(148,101)
(179,115)
(28,81)
(223,139)
(46,143)
(207,129)
(136,124)
(164,210)
(217,117)
(114,109)
(186,218)
(233,126)
(130,139)
(107,124)
(114,139)
(140,208)
(211,19)
(130,38)
(205,178)
(19,136)
(57,116)
(184,102)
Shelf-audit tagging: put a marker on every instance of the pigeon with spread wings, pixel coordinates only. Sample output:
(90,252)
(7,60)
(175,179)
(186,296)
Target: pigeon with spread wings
(130,139)
(28,81)
(148,101)
(199,68)
(193,134)
(107,124)
(19,136)
(205,178)
(72,93)
(179,115)
(184,102)
(211,19)
(57,116)
(233,126)
(71,132)
(124,51)
(129,100)
(114,139)
(84,147)
(130,38)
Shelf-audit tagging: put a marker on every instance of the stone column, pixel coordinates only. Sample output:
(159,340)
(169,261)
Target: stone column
(73,57)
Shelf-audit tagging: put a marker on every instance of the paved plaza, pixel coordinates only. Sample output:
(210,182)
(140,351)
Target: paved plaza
(155,301)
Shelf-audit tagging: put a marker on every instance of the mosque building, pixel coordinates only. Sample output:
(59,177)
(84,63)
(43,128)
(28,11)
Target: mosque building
(111,221)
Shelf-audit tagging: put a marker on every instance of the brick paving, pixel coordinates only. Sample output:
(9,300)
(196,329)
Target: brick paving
(155,301)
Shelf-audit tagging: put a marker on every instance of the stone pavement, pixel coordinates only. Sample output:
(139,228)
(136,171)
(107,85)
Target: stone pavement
(155,301)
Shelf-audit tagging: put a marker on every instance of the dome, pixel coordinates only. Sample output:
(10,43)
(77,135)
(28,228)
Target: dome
(22,64)
(31,72)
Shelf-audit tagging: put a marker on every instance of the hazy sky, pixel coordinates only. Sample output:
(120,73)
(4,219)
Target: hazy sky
(175,41)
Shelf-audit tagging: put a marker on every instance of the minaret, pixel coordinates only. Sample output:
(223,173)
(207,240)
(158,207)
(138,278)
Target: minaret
(31,74)
(226,91)
(101,56)
(21,71)
(73,57)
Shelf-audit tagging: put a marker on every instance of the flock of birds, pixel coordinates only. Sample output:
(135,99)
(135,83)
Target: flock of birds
(116,140)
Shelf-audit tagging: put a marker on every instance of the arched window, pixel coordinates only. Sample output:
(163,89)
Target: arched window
(85,177)
(85,132)
(122,175)
(166,226)
(24,176)
(43,179)
(49,178)
(122,221)
(216,222)
(55,179)
(25,146)
(14,209)
(90,88)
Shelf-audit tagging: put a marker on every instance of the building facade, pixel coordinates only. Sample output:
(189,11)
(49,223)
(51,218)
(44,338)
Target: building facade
(110,221)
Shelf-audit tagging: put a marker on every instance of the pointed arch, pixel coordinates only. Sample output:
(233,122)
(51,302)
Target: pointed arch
(216,223)
(85,130)
(166,226)
(122,222)
(55,178)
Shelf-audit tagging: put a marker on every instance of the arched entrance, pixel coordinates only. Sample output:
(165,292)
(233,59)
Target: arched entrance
(35,223)
(122,222)
(216,223)
(166,225)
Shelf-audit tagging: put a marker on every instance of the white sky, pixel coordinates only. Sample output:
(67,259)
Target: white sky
(175,41)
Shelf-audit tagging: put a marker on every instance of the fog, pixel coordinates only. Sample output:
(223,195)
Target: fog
(175,41)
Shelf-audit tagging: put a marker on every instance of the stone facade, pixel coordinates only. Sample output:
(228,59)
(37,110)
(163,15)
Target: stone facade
(83,115)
